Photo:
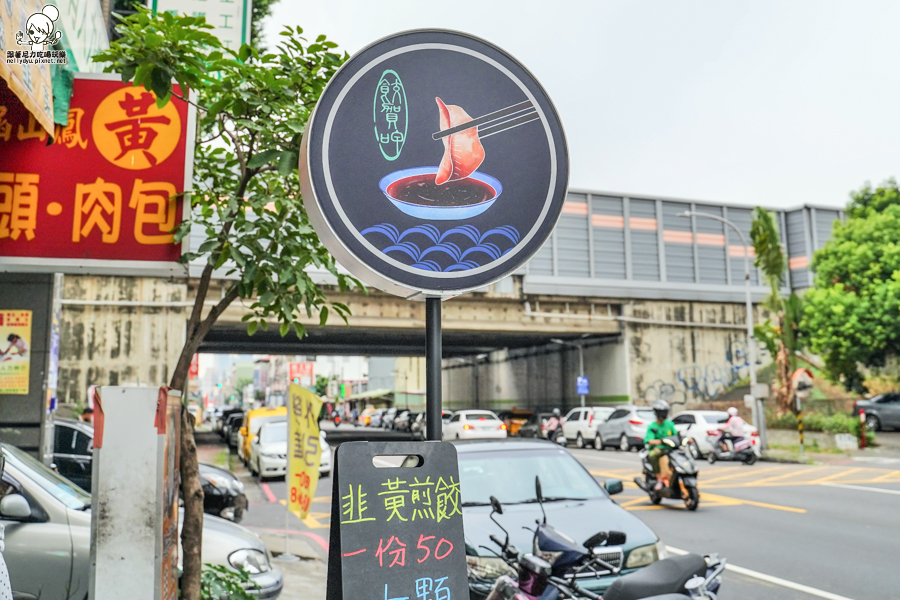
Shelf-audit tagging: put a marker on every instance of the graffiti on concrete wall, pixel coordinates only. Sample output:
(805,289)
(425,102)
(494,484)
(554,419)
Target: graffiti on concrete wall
(702,381)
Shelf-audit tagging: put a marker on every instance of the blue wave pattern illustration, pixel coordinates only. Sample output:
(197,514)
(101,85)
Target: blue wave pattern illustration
(460,248)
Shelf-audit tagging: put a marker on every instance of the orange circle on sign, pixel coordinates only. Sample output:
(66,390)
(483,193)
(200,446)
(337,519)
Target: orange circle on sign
(131,132)
(54,208)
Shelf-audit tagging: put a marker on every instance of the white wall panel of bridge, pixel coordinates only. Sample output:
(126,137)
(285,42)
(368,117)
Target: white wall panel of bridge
(628,247)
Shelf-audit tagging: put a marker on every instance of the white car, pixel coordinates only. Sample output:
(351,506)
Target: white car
(268,451)
(580,425)
(473,425)
(703,427)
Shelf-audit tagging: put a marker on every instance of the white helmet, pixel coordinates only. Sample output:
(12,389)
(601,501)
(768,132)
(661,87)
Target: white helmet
(733,411)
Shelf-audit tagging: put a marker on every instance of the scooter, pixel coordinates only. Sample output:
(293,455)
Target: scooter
(683,483)
(540,579)
(739,450)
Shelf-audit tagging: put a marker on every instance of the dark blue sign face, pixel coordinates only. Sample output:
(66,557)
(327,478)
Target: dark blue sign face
(434,164)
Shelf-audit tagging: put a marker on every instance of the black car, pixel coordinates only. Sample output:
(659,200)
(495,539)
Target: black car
(232,425)
(534,426)
(73,451)
(881,411)
(575,502)
(223,493)
(73,457)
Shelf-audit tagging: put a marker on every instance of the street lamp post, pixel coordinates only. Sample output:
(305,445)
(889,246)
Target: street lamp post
(759,415)
(580,347)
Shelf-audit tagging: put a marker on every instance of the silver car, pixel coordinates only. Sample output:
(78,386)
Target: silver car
(48,535)
(626,427)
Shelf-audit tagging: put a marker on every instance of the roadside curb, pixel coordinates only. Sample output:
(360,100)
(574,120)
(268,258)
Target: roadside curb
(784,460)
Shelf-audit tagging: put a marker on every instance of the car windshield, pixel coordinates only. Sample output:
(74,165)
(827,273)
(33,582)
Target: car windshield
(647,415)
(481,416)
(273,432)
(260,421)
(509,476)
(715,417)
(54,484)
(603,413)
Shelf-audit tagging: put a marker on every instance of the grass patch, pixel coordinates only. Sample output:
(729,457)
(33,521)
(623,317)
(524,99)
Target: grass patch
(223,459)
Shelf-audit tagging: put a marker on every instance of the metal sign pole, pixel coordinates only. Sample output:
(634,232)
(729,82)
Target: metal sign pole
(433,400)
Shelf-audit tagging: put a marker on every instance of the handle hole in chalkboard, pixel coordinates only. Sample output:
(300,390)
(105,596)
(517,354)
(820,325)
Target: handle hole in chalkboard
(390,461)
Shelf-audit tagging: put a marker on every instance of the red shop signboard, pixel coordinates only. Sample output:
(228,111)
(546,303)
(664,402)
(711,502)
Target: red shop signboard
(105,196)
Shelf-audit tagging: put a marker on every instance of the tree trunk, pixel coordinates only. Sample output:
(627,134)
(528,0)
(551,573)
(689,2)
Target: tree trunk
(192,527)
(783,394)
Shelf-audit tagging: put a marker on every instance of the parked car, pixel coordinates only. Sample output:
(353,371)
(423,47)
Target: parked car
(73,451)
(223,493)
(73,457)
(626,427)
(404,421)
(48,535)
(580,425)
(252,422)
(387,419)
(881,411)
(514,419)
(535,426)
(701,425)
(418,427)
(227,413)
(232,427)
(474,424)
(375,419)
(269,449)
(575,504)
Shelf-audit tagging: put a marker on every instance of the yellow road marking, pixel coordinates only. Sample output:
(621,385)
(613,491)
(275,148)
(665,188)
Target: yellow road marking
(836,475)
(892,476)
(743,473)
(727,500)
(790,473)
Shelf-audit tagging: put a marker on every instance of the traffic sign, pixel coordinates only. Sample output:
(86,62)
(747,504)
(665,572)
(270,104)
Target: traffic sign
(582,384)
(434,163)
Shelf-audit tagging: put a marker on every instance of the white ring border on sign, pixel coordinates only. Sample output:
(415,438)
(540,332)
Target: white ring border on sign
(375,251)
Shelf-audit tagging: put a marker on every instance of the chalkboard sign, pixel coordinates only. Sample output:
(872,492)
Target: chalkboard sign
(397,532)
(434,163)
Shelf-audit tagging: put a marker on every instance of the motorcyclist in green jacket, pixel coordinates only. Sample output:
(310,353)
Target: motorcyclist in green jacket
(656,433)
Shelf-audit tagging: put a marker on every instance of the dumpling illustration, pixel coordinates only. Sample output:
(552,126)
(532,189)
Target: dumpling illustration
(463,152)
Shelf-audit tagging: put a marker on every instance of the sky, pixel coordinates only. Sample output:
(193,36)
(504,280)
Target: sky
(773,103)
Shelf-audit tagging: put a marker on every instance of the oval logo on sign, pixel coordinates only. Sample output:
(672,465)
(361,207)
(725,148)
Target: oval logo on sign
(390,115)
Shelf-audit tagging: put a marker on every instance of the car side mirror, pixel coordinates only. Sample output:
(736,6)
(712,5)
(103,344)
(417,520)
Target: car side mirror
(15,506)
(495,504)
(613,486)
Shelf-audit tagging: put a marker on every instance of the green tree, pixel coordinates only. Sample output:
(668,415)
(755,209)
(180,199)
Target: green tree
(321,385)
(852,315)
(782,338)
(245,199)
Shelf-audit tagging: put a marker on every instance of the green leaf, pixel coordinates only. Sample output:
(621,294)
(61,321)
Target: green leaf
(289,162)
(252,326)
(284,329)
(323,316)
(263,158)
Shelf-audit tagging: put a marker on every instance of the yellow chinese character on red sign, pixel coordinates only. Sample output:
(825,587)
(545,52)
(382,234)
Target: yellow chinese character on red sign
(33,131)
(97,204)
(71,135)
(18,205)
(131,132)
(160,195)
(5,126)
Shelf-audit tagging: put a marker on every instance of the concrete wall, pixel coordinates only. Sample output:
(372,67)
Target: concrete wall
(686,364)
(658,355)
(114,332)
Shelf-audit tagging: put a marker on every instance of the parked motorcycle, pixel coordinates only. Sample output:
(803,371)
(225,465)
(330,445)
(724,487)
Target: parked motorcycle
(683,482)
(681,577)
(740,449)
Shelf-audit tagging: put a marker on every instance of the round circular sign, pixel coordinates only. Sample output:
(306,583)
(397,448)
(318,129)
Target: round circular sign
(434,163)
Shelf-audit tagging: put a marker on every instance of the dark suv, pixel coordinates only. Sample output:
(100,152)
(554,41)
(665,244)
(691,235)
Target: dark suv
(881,411)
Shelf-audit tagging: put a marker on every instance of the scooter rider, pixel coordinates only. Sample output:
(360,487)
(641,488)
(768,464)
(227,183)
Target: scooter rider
(554,424)
(656,433)
(733,428)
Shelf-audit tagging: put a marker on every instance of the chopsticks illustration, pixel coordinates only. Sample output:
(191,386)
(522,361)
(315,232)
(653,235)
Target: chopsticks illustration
(520,113)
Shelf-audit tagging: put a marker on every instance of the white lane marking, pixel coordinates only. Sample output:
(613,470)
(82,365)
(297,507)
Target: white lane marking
(774,580)
(862,488)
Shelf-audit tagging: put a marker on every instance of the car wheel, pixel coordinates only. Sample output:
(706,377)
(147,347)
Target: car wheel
(579,441)
(598,442)
(624,446)
(873,423)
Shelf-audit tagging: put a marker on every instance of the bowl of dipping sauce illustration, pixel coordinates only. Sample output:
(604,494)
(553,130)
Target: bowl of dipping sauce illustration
(415,193)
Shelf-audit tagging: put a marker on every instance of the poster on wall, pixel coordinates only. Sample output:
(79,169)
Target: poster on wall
(15,351)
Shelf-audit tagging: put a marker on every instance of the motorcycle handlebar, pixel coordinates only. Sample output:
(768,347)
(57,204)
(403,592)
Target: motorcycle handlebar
(497,541)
